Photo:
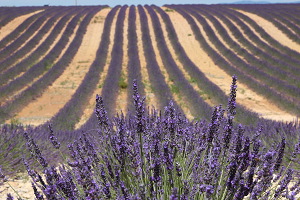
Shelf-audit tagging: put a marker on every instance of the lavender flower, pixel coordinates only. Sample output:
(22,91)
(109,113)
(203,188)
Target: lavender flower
(280,155)
(52,138)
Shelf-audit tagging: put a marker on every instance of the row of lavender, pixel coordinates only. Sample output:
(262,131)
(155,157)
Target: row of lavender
(85,90)
(16,69)
(285,95)
(50,18)
(8,14)
(216,94)
(259,58)
(47,67)
(15,33)
(285,18)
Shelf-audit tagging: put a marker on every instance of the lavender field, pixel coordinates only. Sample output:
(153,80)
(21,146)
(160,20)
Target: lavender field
(148,102)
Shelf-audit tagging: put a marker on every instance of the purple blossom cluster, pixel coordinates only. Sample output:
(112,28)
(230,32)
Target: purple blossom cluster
(151,154)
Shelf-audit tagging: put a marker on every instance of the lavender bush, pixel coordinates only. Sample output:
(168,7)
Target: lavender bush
(152,154)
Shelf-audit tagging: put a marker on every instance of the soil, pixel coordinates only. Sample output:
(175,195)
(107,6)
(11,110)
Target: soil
(91,103)
(245,96)
(12,25)
(273,31)
(60,92)
(151,99)
(121,102)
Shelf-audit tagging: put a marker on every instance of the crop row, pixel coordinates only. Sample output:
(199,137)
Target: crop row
(160,87)
(290,55)
(88,85)
(134,65)
(242,69)
(34,57)
(281,87)
(9,14)
(279,20)
(23,38)
(199,107)
(33,42)
(43,65)
(276,85)
(57,69)
(216,94)
(253,55)
(255,45)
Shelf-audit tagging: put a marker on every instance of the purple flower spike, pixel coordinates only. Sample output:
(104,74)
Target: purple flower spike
(9,197)
(174,195)
(52,138)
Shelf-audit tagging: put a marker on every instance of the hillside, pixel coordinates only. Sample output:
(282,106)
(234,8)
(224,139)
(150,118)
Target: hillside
(184,53)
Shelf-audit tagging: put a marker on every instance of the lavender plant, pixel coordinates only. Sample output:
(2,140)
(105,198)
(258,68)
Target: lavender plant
(151,154)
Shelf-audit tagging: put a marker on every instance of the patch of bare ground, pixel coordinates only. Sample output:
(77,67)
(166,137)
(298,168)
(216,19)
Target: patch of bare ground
(92,101)
(38,60)
(245,96)
(178,98)
(37,45)
(8,98)
(223,41)
(273,31)
(121,103)
(151,99)
(185,73)
(8,28)
(61,91)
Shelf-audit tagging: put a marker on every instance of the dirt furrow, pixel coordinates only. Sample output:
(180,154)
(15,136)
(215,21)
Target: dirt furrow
(8,28)
(178,98)
(43,108)
(92,102)
(151,99)
(245,96)
(273,31)
(121,104)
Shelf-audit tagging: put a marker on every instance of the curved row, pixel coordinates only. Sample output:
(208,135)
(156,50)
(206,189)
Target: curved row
(37,54)
(251,82)
(278,86)
(254,43)
(33,42)
(202,81)
(8,14)
(43,65)
(278,21)
(85,90)
(134,65)
(290,56)
(56,70)
(160,87)
(262,61)
(22,39)
(19,30)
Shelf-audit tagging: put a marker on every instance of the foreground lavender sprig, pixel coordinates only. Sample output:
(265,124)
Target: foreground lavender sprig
(161,155)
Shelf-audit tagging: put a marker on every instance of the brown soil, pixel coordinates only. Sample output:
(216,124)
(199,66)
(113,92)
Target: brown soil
(121,103)
(91,103)
(245,96)
(39,43)
(178,98)
(60,92)
(8,28)
(151,99)
(8,98)
(273,31)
